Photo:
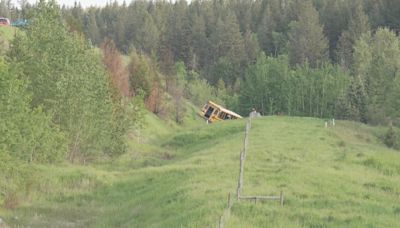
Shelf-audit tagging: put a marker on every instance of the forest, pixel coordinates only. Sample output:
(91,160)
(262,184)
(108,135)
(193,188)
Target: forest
(321,58)
(317,58)
(75,80)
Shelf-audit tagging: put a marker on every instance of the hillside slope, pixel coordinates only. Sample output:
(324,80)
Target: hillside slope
(339,176)
(335,177)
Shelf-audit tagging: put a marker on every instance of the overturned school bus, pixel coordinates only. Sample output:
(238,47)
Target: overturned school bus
(213,112)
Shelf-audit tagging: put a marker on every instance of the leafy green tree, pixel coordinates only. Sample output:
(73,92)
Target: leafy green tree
(376,62)
(198,90)
(140,75)
(67,79)
(263,85)
(342,108)
(271,87)
(27,134)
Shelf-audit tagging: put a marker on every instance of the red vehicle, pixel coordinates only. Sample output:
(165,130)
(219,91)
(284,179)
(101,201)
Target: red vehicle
(4,21)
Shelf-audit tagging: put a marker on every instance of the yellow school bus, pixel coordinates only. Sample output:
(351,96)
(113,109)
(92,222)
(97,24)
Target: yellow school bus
(213,112)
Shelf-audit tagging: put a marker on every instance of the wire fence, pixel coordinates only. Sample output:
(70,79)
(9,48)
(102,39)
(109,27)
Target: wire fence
(243,153)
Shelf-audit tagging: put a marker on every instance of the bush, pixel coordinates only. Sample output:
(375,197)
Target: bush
(13,180)
(392,138)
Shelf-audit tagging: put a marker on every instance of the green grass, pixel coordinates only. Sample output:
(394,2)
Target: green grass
(7,32)
(179,176)
(335,177)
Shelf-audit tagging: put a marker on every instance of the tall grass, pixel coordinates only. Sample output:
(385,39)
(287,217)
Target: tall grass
(180,177)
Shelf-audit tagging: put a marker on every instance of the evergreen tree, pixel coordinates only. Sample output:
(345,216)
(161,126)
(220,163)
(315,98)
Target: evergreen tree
(307,42)
(358,25)
(92,31)
(333,17)
(265,32)
(228,50)
(201,47)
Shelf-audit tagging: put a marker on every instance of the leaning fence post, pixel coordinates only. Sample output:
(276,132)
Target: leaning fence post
(229,200)
(221,224)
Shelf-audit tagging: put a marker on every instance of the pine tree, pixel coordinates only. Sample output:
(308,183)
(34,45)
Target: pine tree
(333,17)
(228,50)
(146,34)
(358,25)
(265,31)
(92,31)
(200,44)
(307,42)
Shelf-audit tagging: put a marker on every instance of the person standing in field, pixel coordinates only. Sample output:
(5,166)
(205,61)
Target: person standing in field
(253,113)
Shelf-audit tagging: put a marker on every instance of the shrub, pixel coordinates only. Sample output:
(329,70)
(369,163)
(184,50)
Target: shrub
(391,138)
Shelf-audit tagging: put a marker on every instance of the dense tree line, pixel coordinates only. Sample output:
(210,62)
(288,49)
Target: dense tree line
(60,99)
(320,58)
(319,54)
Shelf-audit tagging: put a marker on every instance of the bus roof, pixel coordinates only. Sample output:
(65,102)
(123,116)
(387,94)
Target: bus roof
(225,110)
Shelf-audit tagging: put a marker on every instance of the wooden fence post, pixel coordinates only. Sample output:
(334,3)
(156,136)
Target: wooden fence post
(229,200)
(281,198)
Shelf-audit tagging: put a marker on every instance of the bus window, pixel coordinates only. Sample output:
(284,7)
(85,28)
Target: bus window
(222,115)
(209,112)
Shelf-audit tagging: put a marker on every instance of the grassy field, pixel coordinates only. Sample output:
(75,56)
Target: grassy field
(336,177)
(7,32)
(176,176)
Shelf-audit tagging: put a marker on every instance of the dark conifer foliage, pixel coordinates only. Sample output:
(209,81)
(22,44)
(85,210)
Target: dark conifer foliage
(320,56)
(222,40)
